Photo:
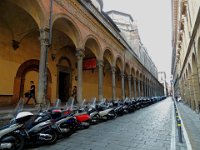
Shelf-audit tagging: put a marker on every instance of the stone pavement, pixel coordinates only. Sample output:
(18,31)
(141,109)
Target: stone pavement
(149,128)
(191,121)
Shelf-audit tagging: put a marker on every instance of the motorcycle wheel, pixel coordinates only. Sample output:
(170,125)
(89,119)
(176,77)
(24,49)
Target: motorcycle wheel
(17,143)
(85,124)
(69,133)
(54,135)
(114,115)
(95,119)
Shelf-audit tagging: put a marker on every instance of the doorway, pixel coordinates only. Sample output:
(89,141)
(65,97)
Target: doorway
(64,86)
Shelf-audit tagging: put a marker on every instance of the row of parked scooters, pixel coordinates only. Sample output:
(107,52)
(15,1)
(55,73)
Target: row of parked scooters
(51,123)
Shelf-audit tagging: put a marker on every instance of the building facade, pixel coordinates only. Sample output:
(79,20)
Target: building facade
(186,51)
(129,31)
(162,79)
(59,44)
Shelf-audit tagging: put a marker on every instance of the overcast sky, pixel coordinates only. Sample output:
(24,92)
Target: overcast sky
(154,23)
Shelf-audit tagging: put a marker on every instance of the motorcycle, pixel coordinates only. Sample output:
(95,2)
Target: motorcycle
(83,119)
(91,110)
(66,123)
(10,137)
(40,129)
(106,112)
(118,107)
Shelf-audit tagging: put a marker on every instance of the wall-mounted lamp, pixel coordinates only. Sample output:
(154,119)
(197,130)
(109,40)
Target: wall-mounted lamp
(76,78)
(15,44)
(53,56)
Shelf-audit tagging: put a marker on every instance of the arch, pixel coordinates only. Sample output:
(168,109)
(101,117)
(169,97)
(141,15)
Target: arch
(27,65)
(108,55)
(30,65)
(127,69)
(133,72)
(15,15)
(137,74)
(37,7)
(70,28)
(119,63)
(66,59)
(92,43)
(92,51)
(141,76)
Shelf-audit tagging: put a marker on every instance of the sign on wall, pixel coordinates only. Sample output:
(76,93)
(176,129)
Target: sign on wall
(89,63)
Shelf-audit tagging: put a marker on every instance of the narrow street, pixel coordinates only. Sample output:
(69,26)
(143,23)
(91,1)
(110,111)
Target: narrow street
(147,128)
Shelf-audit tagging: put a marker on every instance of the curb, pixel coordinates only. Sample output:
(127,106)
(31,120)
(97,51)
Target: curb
(185,134)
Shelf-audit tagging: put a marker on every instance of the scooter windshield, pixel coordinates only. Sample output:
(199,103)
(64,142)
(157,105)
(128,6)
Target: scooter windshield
(70,104)
(93,100)
(19,107)
(57,103)
(83,103)
(102,101)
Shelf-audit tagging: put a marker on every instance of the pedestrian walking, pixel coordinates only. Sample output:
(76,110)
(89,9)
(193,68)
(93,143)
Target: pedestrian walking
(31,93)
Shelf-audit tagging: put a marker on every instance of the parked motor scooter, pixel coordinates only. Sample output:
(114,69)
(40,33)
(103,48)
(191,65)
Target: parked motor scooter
(118,107)
(83,119)
(94,114)
(66,123)
(105,111)
(40,129)
(10,137)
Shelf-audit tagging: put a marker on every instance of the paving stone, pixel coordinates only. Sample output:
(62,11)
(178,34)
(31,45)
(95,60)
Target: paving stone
(146,129)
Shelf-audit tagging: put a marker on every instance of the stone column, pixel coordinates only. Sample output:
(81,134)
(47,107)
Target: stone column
(142,90)
(145,93)
(182,90)
(134,80)
(139,88)
(123,90)
(144,87)
(190,92)
(187,92)
(79,55)
(129,86)
(196,90)
(150,91)
(113,69)
(100,79)
(44,43)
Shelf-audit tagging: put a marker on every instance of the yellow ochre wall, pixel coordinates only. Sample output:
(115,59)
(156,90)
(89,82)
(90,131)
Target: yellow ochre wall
(90,84)
(107,85)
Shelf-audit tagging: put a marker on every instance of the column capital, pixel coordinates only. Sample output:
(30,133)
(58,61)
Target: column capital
(44,36)
(80,53)
(129,77)
(100,63)
(122,74)
(113,69)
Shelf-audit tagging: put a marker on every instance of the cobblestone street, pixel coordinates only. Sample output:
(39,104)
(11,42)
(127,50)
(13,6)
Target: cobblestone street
(148,128)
